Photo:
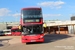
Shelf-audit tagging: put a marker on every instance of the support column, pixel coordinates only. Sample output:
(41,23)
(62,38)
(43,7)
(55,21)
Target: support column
(6,25)
(73,29)
(43,30)
(49,30)
(59,29)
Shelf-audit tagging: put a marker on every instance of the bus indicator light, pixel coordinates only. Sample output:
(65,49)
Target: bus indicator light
(31,23)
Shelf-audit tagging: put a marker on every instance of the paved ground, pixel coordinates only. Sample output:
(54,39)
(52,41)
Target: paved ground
(52,42)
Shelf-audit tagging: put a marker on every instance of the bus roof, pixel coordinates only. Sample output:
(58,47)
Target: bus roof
(31,8)
(15,28)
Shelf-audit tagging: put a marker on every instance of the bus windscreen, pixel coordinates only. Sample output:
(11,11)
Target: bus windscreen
(35,29)
(15,30)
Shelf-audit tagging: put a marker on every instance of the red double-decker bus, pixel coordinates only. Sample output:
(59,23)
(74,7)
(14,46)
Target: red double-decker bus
(32,25)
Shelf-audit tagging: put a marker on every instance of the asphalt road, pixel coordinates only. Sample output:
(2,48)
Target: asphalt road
(52,42)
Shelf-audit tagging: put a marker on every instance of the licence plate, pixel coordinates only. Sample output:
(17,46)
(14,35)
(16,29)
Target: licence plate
(32,40)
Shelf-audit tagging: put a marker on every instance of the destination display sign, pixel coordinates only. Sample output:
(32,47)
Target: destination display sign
(32,21)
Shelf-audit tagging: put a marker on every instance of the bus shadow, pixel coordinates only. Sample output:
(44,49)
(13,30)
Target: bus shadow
(5,39)
(1,45)
(33,43)
(51,38)
(4,42)
(54,37)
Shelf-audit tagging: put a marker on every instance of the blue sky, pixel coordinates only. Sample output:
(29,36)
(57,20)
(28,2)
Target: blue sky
(51,9)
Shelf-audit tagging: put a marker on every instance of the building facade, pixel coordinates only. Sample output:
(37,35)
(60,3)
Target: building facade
(52,27)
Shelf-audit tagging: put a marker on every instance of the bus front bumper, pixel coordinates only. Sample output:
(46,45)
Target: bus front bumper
(27,41)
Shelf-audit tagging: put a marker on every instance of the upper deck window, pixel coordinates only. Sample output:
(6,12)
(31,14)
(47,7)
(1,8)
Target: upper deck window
(31,13)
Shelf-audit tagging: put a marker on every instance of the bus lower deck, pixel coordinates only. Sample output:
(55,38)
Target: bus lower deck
(32,33)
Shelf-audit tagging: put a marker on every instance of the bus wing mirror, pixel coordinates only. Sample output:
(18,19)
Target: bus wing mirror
(45,25)
(19,27)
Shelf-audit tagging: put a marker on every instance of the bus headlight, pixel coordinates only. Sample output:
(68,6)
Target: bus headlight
(41,37)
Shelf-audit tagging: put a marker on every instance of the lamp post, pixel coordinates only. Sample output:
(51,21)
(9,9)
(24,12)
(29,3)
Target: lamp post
(16,16)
